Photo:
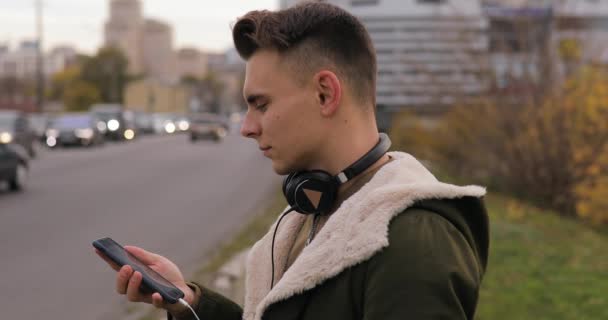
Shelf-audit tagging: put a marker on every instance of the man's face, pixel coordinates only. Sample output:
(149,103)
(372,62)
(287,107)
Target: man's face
(283,115)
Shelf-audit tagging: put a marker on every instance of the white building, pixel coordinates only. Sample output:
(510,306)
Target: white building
(21,62)
(584,25)
(430,53)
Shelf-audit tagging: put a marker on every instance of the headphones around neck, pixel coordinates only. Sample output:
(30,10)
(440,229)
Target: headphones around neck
(314,192)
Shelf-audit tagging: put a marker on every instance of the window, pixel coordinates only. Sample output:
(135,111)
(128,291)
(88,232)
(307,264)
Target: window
(356,3)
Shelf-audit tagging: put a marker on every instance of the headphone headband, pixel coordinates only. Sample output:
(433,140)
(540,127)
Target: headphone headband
(384,143)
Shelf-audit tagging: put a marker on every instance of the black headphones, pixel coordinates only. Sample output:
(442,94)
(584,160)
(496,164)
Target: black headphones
(314,192)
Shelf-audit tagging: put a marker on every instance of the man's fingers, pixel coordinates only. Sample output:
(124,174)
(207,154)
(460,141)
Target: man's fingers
(133,287)
(157,300)
(107,260)
(122,279)
(134,293)
(143,255)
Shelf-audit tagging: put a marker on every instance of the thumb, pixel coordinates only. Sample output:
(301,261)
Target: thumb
(143,255)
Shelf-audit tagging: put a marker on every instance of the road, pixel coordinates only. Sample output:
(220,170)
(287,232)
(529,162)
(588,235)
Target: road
(161,193)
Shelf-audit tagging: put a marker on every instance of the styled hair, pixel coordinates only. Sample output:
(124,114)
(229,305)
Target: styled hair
(310,37)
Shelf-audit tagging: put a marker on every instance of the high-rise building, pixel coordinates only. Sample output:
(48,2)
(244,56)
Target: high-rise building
(157,48)
(147,43)
(123,31)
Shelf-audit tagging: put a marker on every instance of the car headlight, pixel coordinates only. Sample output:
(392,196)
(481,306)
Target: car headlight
(129,134)
(52,133)
(183,125)
(6,137)
(51,141)
(84,133)
(170,127)
(113,125)
(101,126)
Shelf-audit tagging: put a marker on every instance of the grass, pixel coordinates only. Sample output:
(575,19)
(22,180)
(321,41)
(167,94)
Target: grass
(542,266)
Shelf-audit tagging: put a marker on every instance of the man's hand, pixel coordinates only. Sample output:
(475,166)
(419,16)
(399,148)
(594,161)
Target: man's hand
(128,281)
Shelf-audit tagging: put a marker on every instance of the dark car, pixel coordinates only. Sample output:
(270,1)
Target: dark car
(143,121)
(208,126)
(113,122)
(15,128)
(14,166)
(73,129)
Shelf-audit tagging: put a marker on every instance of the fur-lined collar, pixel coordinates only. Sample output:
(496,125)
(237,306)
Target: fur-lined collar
(354,233)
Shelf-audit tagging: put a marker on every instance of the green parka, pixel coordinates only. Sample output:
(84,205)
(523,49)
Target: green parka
(405,246)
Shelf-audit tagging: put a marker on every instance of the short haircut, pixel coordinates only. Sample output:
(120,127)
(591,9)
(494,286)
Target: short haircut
(313,36)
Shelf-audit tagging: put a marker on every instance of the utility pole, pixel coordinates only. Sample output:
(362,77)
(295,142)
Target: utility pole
(39,58)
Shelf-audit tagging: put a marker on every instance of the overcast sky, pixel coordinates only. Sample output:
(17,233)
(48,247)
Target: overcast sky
(201,23)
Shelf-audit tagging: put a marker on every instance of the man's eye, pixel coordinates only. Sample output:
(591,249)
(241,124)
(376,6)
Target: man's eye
(262,107)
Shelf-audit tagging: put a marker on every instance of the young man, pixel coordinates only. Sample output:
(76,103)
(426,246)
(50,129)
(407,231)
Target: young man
(392,242)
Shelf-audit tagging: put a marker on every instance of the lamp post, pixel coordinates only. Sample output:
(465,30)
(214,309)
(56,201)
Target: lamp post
(39,58)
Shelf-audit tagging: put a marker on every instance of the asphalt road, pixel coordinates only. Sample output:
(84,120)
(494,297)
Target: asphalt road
(161,193)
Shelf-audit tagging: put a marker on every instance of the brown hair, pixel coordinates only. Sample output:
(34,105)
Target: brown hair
(313,36)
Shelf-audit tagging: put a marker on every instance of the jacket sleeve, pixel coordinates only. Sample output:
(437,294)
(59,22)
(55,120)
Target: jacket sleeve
(210,305)
(428,271)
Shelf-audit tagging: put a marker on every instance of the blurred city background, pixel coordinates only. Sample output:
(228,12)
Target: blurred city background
(120,118)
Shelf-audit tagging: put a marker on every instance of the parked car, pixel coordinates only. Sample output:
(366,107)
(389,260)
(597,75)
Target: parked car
(113,122)
(208,126)
(74,129)
(15,128)
(14,166)
(144,122)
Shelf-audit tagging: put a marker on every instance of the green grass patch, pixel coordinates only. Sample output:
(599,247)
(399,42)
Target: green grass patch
(542,266)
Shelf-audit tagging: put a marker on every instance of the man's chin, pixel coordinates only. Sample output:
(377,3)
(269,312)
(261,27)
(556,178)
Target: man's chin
(280,169)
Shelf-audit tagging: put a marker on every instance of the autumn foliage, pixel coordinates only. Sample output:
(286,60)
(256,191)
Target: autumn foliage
(553,151)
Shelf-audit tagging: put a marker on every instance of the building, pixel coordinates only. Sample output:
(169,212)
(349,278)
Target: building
(519,33)
(157,96)
(123,31)
(147,43)
(157,47)
(431,53)
(59,58)
(580,33)
(190,62)
(21,62)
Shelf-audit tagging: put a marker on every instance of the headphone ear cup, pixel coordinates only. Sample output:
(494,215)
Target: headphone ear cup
(287,188)
(311,192)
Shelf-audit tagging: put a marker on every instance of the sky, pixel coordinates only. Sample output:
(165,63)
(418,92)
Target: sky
(204,24)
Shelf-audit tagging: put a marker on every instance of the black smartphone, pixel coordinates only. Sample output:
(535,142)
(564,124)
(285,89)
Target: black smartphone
(151,280)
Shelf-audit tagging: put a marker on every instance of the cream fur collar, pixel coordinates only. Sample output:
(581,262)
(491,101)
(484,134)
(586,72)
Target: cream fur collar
(354,233)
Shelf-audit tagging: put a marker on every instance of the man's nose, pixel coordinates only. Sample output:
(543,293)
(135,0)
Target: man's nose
(249,127)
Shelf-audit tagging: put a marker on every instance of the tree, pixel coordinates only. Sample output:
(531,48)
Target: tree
(107,71)
(80,95)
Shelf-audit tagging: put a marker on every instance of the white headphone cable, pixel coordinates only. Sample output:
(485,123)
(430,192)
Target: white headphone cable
(183,302)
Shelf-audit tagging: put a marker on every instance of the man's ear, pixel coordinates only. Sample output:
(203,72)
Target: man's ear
(329,92)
